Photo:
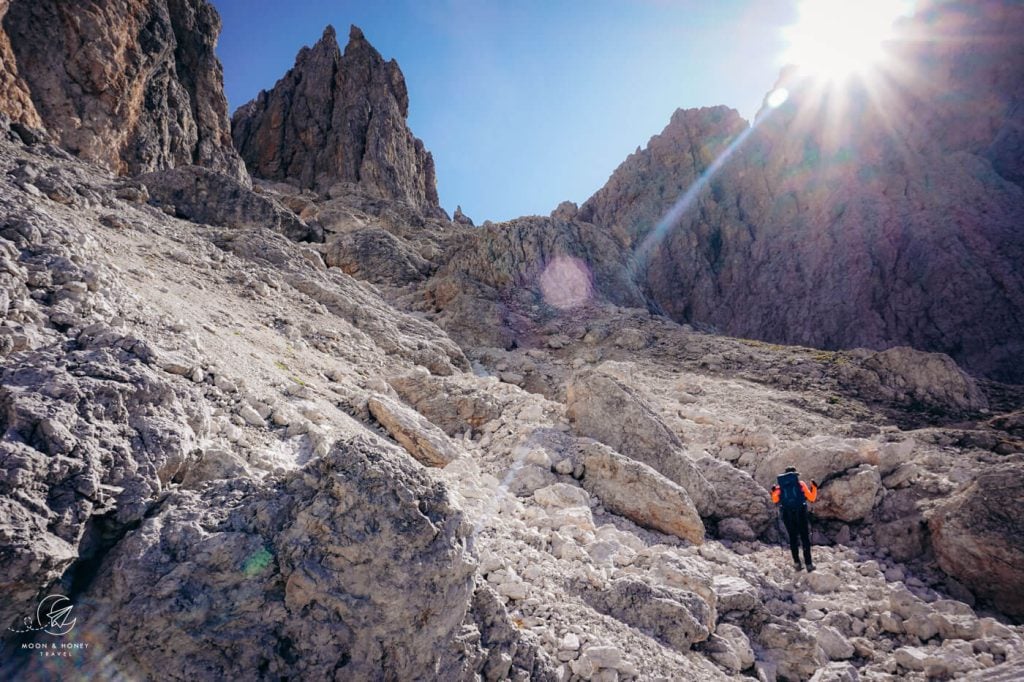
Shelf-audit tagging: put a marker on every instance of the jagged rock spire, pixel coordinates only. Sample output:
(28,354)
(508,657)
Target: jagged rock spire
(338,117)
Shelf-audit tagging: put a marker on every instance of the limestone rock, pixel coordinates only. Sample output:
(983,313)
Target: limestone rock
(15,100)
(793,650)
(850,497)
(66,469)
(450,404)
(209,197)
(338,118)
(638,492)
(424,441)
(606,409)
(730,647)
(931,380)
(309,575)
(461,218)
(375,255)
(978,536)
(677,617)
(763,248)
(738,496)
(565,264)
(131,84)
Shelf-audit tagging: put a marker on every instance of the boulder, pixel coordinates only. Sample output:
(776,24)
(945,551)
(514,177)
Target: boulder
(794,651)
(453,405)
(321,572)
(639,493)
(673,616)
(608,409)
(850,497)
(817,458)
(912,377)
(737,495)
(424,441)
(978,536)
(730,647)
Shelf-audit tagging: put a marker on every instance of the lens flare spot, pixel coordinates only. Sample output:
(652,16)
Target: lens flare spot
(565,283)
(777,97)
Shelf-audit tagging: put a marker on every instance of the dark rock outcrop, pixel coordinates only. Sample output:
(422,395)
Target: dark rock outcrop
(875,215)
(205,196)
(338,118)
(15,100)
(131,84)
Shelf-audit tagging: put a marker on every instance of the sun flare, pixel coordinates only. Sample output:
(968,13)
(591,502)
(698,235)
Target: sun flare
(837,38)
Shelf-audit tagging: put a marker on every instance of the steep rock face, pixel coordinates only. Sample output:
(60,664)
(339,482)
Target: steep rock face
(15,100)
(338,118)
(876,215)
(131,84)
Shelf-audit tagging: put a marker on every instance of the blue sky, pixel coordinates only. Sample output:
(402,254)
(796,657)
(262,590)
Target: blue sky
(526,103)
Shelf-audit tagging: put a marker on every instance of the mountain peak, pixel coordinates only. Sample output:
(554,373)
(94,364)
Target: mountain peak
(351,109)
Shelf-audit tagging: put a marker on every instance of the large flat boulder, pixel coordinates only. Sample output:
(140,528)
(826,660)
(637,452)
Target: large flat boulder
(636,491)
(608,409)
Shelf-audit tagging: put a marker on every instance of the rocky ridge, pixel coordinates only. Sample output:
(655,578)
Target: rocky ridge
(842,216)
(338,118)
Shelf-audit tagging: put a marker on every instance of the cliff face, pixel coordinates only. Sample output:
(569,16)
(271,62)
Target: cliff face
(338,118)
(15,101)
(131,84)
(883,213)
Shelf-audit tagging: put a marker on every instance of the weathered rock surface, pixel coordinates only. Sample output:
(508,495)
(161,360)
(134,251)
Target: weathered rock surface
(338,118)
(554,263)
(305,575)
(67,467)
(677,617)
(606,409)
(638,492)
(424,441)
(928,380)
(844,229)
(978,536)
(206,196)
(375,255)
(15,100)
(131,84)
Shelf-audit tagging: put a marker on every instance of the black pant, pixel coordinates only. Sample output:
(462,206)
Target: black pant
(799,531)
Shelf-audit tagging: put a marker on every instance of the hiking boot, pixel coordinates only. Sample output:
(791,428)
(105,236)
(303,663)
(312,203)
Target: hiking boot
(810,567)
(797,566)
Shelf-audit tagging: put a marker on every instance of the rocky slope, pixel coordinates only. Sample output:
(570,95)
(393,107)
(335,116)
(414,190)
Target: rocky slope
(881,213)
(338,118)
(266,433)
(131,84)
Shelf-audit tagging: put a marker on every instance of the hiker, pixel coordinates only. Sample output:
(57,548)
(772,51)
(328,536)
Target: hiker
(794,494)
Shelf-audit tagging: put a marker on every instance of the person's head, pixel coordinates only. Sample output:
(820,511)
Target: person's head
(790,470)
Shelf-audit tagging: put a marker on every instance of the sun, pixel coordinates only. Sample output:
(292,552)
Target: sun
(834,39)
